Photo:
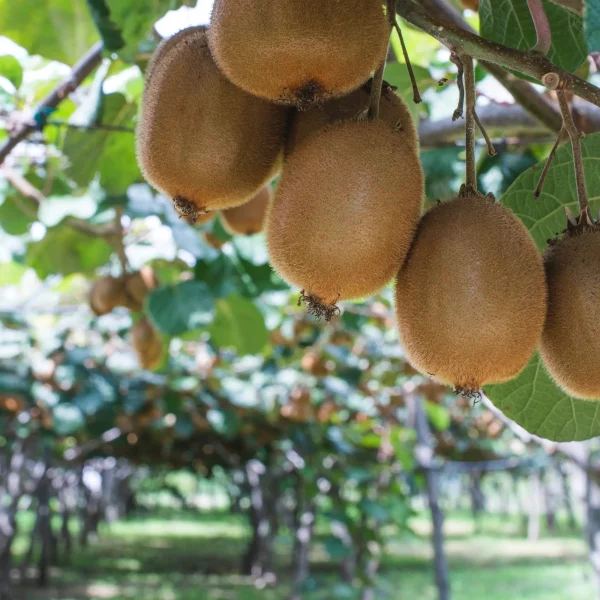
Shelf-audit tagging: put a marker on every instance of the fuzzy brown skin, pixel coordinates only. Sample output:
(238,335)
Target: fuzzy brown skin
(570,344)
(147,344)
(106,294)
(345,210)
(248,218)
(200,139)
(471,297)
(299,52)
(392,110)
(138,285)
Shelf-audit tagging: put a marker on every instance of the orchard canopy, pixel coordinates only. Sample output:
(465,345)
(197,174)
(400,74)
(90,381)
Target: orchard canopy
(240,364)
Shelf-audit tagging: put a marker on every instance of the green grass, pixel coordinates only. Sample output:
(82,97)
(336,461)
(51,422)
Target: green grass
(180,556)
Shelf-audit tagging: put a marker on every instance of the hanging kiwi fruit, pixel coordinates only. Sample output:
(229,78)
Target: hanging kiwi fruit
(471,297)
(298,52)
(248,218)
(570,344)
(344,215)
(137,286)
(146,343)
(201,140)
(392,110)
(106,294)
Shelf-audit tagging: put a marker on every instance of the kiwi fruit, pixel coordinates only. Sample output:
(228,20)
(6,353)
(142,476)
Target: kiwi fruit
(299,52)
(471,4)
(570,344)
(471,296)
(392,110)
(106,294)
(137,286)
(201,140)
(248,218)
(147,344)
(345,211)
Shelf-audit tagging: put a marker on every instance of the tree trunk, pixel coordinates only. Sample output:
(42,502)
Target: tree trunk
(424,454)
(533,524)
(593,520)
(304,522)
(566,494)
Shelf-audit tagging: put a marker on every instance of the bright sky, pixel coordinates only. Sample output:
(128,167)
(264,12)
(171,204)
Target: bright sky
(185,17)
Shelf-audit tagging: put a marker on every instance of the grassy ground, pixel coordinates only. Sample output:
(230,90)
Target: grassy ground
(179,557)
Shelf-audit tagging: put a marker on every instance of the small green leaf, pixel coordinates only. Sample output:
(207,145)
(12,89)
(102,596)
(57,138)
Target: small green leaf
(176,309)
(11,273)
(240,325)
(509,22)
(56,29)
(64,250)
(17,213)
(90,151)
(438,415)
(11,68)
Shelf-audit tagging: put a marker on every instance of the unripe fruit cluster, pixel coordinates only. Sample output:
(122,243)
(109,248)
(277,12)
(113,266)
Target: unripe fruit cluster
(282,86)
(130,291)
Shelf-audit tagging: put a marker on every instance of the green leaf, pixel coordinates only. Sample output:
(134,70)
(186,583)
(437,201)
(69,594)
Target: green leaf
(176,309)
(533,400)
(11,273)
(509,22)
(11,68)
(396,74)
(110,31)
(17,213)
(64,250)
(56,29)
(110,152)
(438,415)
(545,217)
(592,25)
(240,325)
(124,27)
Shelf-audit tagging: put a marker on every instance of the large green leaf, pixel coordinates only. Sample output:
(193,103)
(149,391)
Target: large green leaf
(57,29)
(509,22)
(533,400)
(124,26)
(545,217)
(240,325)
(64,250)
(11,68)
(592,25)
(111,153)
(177,309)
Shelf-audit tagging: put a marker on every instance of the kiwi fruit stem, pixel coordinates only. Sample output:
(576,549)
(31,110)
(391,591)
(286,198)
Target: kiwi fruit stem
(318,308)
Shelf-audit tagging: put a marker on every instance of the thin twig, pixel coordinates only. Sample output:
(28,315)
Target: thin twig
(538,190)
(464,42)
(375,97)
(488,142)
(542,26)
(80,71)
(575,136)
(98,127)
(458,113)
(119,241)
(469,74)
(413,80)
